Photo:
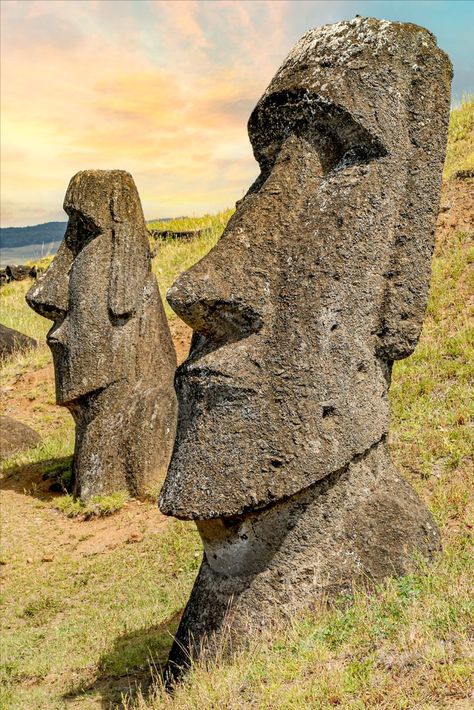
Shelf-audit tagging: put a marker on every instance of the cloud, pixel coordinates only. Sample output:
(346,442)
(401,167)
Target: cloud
(85,101)
(162,89)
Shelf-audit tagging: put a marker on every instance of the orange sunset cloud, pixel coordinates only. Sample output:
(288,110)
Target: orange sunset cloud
(107,85)
(160,88)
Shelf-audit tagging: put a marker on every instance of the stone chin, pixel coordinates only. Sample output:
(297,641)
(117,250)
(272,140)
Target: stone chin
(71,387)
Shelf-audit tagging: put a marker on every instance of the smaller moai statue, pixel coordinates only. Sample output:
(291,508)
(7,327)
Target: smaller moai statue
(113,354)
(317,285)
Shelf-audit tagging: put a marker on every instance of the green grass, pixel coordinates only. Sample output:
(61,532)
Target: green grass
(98,505)
(52,456)
(460,150)
(85,630)
(77,621)
(174,257)
(16,314)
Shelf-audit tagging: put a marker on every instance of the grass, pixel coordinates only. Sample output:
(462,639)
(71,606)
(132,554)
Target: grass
(405,646)
(77,621)
(460,150)
(97,506)
(86,628)
(174,257)
(15,314)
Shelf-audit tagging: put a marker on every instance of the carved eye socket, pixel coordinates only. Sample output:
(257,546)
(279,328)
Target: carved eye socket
(339,139)
(80,231)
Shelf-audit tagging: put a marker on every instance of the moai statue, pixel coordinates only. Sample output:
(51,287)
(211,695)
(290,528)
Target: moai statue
(113,355)
(317,285)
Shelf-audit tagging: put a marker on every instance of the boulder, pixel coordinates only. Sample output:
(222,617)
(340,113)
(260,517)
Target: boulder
(17,272)
(12,341)
(15,437)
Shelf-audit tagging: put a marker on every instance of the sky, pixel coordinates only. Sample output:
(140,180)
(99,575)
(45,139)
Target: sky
(162,89)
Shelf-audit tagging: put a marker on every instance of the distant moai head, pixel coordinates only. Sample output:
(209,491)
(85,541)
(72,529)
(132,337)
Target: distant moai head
(320,279)
(113,355)
(95,287)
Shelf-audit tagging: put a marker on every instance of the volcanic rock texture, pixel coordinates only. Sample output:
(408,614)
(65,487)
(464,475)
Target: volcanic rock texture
(317,285)
(113,354)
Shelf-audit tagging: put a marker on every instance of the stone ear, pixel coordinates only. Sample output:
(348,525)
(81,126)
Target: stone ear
(130,252)
(129,268)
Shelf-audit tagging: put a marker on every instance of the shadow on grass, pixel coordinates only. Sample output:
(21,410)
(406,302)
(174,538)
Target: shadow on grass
(41,479)
(135,662)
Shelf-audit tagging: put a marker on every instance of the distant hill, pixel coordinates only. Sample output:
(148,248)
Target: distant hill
(11,237)
(24,244)
(14,237)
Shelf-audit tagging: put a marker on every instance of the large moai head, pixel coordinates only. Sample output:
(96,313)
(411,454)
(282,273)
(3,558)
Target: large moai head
(110,340)
(317,285)
(320,279)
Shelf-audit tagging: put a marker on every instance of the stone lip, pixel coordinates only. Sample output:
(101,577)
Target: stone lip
(320,279)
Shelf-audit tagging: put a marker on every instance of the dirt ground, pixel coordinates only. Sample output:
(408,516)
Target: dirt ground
(29,398)
(456,208)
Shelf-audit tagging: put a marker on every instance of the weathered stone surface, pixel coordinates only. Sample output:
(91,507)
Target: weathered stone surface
(15,436)
(12,341)
(318,283)
(320,279)
(113,354)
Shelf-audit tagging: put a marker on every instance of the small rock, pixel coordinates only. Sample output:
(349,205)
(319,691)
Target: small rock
(464,174)
(18,272)
(29,560)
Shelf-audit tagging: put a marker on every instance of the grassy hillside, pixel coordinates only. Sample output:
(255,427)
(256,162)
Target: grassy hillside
(460,150)
(90,606)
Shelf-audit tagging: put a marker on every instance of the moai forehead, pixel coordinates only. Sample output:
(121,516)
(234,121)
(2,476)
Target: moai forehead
(370,83)
(321,277)
(102,199)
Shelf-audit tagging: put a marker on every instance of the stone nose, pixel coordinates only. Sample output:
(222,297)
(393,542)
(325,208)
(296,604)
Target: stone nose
(207,298)
(49,296)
